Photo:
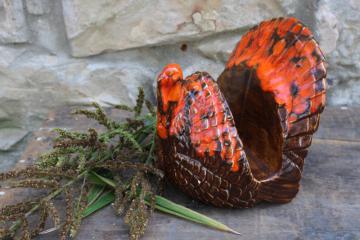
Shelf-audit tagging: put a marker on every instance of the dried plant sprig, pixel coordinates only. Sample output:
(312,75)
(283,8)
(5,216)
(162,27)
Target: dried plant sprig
(137,218)
(80,207)
(126,135)
(139,102)
(43,215)
(69,214)
(53,212)
(34,171)
(129,165)
(99,115)
(18,223)
(36,184)
(26,235)
(123,107)
(94,158)
(63,134)
(19,208)
(73,155)
(120,198)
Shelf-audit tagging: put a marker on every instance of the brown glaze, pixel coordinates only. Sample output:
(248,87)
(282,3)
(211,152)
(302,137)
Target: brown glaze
(244,139)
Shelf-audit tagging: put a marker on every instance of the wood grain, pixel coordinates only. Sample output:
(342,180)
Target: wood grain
(327,206)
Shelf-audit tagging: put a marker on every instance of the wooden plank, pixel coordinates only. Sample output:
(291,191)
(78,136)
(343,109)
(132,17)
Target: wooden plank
(340,123)
(327,206)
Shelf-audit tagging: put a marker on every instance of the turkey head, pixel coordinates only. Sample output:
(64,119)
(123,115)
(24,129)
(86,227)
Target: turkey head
(243,139)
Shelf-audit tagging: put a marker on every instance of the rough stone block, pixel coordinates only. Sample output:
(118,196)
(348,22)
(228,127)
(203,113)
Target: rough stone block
(13,27)
(97,26)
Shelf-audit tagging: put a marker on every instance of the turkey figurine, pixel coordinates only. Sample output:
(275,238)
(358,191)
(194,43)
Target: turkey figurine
(242,139)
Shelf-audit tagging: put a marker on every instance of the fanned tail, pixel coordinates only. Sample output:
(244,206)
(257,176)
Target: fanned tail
(289,65)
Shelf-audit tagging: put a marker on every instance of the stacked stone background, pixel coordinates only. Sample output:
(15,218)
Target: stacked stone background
(73,52)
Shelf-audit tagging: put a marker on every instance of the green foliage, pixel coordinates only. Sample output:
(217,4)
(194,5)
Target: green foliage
(91,170)
(72,168)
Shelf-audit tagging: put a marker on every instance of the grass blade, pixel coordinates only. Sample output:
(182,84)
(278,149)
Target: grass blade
(188,214)
(167,206)
(104,200)
(94,193)
(108,181)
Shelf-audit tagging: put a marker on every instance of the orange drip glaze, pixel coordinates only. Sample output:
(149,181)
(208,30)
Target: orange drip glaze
(212,131)
(288,71)
(170,91)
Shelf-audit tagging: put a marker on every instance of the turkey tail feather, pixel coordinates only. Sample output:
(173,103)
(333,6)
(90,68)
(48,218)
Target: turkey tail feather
(289,65)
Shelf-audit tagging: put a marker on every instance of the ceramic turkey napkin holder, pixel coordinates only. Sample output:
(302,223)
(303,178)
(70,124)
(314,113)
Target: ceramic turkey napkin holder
(243,139)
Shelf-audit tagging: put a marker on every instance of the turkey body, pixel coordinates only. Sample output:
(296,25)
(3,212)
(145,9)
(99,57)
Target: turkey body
(243,138)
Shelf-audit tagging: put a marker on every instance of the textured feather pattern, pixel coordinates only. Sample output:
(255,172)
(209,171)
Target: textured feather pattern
(208,161)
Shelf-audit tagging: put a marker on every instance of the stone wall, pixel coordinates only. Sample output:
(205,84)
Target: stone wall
(72,52)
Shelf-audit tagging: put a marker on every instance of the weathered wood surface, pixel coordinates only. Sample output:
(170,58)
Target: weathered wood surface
(327,206)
